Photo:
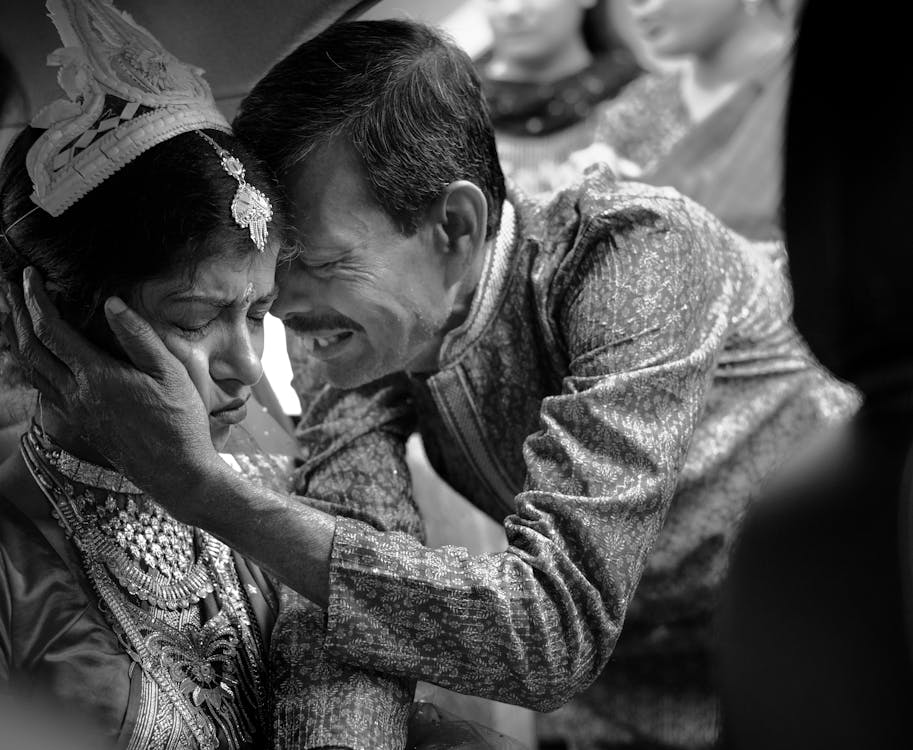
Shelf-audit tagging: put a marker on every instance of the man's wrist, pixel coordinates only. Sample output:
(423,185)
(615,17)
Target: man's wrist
(191,493)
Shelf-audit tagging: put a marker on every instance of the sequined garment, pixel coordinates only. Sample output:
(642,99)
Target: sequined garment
(626,376)
(539,125)
(153,633)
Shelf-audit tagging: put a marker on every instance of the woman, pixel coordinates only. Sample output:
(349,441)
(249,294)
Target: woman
(111,612)
(552,67)
(710,126)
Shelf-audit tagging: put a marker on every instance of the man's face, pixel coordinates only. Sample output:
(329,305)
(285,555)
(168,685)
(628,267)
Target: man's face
(368,300)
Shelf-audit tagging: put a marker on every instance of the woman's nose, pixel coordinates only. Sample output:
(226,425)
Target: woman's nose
(239,359)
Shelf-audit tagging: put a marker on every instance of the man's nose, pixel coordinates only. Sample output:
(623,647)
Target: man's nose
(298,292)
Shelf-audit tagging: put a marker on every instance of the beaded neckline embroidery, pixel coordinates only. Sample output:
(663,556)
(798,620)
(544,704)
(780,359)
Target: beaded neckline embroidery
(77,470)
(209,673)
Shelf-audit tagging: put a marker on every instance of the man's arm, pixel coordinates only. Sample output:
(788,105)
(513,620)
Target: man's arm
(643,321)
(321,699)
(643,324)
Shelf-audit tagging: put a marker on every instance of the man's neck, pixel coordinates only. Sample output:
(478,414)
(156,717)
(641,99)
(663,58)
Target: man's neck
(429,359)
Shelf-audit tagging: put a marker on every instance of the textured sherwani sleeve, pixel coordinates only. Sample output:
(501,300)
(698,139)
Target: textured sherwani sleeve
(353,452)
(641,312)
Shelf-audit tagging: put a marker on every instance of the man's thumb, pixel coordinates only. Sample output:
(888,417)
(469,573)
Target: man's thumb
(137,338)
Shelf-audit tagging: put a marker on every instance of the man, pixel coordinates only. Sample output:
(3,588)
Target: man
(611,375)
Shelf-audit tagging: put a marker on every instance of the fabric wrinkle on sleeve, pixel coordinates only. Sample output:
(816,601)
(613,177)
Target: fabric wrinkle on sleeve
(321,700)
(535,625)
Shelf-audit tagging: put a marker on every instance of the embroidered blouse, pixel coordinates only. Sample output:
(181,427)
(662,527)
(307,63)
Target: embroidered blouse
(59,648)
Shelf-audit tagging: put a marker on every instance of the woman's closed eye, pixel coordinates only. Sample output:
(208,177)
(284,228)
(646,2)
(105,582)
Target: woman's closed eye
(192,329)
(255,318)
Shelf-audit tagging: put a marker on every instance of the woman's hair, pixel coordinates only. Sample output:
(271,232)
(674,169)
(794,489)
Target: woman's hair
(166,211)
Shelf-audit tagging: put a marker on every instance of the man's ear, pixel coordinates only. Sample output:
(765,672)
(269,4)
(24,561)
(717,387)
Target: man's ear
(460,216)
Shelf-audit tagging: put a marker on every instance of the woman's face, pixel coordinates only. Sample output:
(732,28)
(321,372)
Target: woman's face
(677,28)
(215,319)
(527,30)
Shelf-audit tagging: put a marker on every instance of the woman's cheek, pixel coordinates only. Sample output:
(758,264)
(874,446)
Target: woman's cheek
(258,338)
(197,365)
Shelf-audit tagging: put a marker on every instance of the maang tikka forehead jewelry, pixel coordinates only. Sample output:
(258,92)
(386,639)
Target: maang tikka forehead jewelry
(250,208)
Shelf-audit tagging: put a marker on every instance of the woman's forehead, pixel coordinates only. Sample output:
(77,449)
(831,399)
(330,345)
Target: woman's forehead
(223,281)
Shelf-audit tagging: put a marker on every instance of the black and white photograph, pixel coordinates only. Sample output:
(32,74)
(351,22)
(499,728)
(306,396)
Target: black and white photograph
(455,375)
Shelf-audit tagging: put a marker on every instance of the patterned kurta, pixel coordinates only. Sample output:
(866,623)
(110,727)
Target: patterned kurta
(626,376)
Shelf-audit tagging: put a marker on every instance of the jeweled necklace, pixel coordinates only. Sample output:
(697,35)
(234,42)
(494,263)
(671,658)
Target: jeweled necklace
(199,669)
(82,518)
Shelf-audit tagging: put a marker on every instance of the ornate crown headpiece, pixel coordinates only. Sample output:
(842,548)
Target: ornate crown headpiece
(125,94)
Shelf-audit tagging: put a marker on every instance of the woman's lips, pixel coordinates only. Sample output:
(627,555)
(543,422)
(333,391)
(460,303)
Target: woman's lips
(233,413)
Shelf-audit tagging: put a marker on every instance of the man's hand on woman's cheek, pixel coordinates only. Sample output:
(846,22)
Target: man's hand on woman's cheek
(148,418)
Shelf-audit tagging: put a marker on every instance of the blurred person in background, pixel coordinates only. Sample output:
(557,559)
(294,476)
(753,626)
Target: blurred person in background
(711,125)
(552,67)
(815,631)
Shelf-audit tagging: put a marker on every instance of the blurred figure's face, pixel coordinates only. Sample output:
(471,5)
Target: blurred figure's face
(676,28)
(531,30)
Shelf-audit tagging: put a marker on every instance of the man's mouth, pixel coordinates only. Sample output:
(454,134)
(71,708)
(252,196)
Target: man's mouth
(324,342)
(324,334)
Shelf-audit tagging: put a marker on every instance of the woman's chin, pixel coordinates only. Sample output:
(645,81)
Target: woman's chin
(220,433)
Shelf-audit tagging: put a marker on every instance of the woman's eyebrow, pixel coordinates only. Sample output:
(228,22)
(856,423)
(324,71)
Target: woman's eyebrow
(221,301)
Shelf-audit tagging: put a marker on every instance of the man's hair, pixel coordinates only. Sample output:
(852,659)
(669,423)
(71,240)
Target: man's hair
(405,97)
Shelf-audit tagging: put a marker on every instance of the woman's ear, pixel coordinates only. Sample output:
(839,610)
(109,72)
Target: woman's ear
(460,216)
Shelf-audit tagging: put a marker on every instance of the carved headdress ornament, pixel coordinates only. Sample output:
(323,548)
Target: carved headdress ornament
(125,94)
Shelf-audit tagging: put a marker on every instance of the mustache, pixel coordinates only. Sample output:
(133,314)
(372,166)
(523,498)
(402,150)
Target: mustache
(325,322)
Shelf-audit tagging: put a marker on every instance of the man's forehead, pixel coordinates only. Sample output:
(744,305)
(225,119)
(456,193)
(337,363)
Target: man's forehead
(332,204)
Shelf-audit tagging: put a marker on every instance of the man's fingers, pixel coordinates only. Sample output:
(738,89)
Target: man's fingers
(53,332)
(49,393)
(49,390)
(32,354)
(138,339)
(179,347)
